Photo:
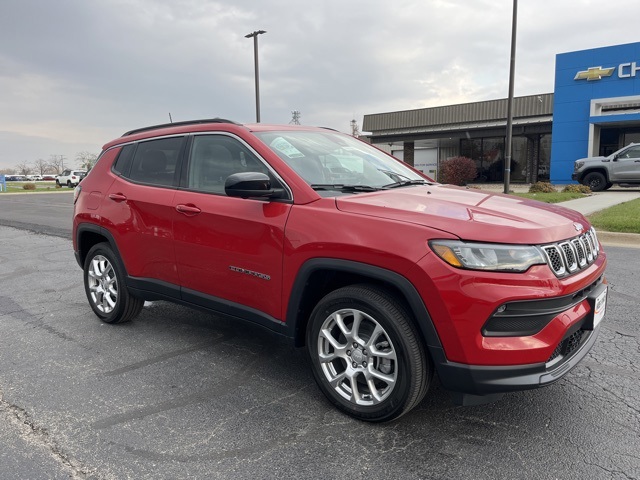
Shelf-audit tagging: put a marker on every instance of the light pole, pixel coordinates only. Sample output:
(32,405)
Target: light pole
(512,68)
(257,73)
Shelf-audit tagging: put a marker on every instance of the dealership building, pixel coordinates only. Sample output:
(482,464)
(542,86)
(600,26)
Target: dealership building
(594,110)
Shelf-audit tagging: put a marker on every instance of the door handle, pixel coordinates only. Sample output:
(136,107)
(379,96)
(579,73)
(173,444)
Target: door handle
(117,197)
(188,210)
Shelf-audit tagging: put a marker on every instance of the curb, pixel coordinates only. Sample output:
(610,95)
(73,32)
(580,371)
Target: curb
(616,239)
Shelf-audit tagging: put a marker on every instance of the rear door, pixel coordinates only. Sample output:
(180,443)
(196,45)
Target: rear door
(228,250)
(139,205)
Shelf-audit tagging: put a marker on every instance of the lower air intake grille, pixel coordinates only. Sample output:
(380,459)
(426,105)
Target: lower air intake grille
(568,345)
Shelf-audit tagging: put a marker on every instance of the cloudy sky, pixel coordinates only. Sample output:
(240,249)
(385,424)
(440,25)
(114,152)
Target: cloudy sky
(75,74)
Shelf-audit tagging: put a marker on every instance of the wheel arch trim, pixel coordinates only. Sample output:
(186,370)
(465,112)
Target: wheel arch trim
(81,253)
(296,325)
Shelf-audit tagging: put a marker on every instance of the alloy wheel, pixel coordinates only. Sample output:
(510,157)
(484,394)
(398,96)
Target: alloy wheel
(357,357)
(103,284)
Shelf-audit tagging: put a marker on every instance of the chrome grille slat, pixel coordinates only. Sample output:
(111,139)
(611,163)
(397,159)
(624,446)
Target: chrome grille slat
(581,255)
(569,257)
(573,255)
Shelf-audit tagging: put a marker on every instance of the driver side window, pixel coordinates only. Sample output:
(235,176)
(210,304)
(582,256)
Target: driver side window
(214,158)
(633,152)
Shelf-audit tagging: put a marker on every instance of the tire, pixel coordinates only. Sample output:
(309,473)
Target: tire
(596,181)
(104,284)
(608,186)
(365,354)
(69,184)
(57,182)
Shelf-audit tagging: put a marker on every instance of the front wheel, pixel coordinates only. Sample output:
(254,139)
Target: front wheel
(104,284)
(596,181)
(365,354)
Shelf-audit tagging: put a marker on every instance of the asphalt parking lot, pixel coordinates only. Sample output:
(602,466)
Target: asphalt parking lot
(183,394)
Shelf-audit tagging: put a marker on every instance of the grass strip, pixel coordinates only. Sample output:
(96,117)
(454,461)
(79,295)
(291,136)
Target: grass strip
(624,218)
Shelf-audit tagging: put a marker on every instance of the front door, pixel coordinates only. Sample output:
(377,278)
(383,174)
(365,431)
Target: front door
(626,167)
(228,250)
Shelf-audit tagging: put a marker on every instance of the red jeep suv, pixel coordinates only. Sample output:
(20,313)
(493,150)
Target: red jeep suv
(384,274)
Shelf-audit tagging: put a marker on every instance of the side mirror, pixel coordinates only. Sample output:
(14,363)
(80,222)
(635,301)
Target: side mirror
(251,185)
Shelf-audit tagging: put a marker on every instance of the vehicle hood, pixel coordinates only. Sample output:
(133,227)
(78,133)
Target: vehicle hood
(470,214)
(592,159)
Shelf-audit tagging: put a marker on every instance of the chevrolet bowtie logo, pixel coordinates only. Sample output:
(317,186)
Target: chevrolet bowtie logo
(594,73)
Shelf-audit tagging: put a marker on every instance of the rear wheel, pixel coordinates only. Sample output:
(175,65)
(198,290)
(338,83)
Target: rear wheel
(105,286)
(69,184)
(366,355)
(596,181)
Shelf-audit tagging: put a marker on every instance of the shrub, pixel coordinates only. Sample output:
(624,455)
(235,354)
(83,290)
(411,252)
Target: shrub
(58,185)
(577,188)
(458,171)
(542,187)
(29,186)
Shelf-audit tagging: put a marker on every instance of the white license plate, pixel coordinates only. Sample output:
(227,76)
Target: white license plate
(599,308)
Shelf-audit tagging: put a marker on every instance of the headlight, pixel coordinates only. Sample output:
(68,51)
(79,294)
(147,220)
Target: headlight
(578,165)
(487,256)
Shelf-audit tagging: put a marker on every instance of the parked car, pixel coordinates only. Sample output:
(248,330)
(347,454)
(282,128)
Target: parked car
(49,178)
(70,178)
(383,274)
(600,173)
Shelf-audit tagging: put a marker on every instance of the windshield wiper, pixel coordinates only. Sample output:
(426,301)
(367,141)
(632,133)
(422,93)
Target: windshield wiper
(344,188)
(405,183)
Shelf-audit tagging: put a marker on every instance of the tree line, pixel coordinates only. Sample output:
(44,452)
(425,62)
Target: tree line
(54,166)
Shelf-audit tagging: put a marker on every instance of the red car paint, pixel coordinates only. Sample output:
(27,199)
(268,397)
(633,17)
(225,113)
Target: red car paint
(220,246)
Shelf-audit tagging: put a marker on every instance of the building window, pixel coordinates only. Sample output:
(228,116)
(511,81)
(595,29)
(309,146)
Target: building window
(488,153)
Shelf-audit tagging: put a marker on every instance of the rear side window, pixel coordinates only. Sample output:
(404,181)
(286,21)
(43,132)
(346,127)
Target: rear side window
(155,161)
(121,167)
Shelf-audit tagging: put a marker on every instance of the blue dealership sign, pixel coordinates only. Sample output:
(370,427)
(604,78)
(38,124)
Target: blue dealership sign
(594,89)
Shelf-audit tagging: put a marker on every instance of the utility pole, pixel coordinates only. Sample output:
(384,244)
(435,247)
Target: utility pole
(512,68)
(254,35)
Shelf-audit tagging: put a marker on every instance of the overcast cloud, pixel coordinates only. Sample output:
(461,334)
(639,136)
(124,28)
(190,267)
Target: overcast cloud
(75,74)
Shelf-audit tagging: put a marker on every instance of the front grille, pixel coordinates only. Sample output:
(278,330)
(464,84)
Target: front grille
(568,345)
(573,255)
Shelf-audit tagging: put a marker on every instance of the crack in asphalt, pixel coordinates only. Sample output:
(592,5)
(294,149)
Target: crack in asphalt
(40,436)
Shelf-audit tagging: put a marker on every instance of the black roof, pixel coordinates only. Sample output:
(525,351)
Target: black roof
(177,124)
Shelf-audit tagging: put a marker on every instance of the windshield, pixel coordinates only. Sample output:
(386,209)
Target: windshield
(326,159)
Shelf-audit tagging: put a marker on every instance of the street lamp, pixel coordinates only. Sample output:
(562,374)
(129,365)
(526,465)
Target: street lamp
(512,68)
(257,74)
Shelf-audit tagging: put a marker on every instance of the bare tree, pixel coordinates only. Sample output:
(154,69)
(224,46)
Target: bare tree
(56,162)
(23,168)
(86,160)
(40,166)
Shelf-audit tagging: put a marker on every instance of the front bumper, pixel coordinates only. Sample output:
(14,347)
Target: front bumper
(575,176)
(468,381)
(477,384)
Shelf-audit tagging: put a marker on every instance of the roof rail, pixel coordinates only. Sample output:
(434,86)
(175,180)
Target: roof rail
(177,124)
